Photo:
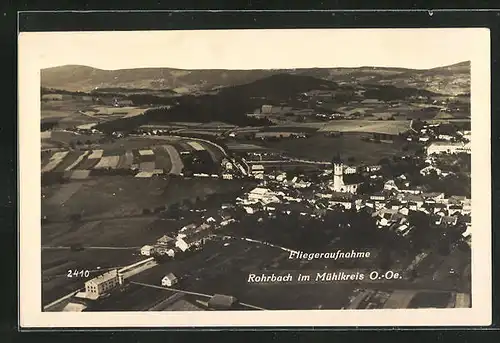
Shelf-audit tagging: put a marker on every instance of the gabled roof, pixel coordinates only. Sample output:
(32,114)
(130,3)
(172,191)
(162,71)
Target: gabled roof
(170,276)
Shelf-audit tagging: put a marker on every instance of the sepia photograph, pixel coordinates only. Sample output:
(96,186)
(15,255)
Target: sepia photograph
(277,177)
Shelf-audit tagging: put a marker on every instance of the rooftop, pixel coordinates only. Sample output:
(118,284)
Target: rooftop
(105,277)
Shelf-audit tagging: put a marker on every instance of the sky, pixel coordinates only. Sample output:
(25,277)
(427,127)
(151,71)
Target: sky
(253,49)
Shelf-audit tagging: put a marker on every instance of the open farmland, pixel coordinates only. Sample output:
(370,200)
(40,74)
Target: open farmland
(62,108)
(107,162)
(117,196)
(175,159)
(106,196)
(144,155)
(392,127)
(322,148)
(126,112)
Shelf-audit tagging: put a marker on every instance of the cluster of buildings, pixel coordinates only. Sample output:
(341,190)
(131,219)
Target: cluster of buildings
(391,207)
(190,237)
(441,137)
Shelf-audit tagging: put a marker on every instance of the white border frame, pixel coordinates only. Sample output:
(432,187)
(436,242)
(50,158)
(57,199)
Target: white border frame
(30,59)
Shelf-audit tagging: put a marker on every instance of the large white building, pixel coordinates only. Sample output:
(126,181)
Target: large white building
(450,148)
(102,283)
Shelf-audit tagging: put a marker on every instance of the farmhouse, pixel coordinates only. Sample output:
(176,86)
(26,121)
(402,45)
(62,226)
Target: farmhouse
(169,280)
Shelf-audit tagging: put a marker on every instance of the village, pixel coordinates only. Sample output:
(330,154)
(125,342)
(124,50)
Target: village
(312,194)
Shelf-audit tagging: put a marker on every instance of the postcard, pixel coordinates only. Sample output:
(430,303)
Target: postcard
(271,178)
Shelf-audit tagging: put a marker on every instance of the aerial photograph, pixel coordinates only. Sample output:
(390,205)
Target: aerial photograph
(342,188)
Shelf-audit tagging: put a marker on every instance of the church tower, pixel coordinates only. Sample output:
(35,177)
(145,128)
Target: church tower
(338,174)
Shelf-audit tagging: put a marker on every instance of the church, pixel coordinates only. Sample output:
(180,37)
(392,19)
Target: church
(340,183)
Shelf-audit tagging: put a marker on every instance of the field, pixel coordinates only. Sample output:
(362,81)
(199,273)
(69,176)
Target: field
(100,111)
(118,196)
(322,148)
(383,126)
(148,154)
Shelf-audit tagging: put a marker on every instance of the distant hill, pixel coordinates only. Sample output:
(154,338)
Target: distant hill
(453,79)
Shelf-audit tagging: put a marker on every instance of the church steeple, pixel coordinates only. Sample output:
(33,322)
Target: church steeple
(337,159)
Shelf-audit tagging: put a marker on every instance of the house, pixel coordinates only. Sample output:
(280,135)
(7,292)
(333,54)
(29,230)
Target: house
(415,199)
(281,177)
(165,240)
(350,170)
(344,203)
(164,250)
(447,220)
(221,302)
(250,209)
(169,280)
(389,217)
(430,169)
(226,164)
(457,199)
(393,204)
(264,195)
(147,250)
(186,230)
(455,209)
(122,102)
(373,168)
(210,220)
(102,284)
(403,229)
(466,207)
(193,241)
(433,197)
(227,221)
(445,137)
(378,197)
(257,170)
(404,211)
(390,185)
